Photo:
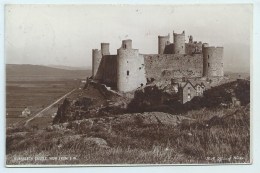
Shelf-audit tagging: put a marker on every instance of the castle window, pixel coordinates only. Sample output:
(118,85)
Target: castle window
(139,68)
(189,97)
(127,73)
(208,64)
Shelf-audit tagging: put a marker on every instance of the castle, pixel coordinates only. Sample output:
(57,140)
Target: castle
(128,69)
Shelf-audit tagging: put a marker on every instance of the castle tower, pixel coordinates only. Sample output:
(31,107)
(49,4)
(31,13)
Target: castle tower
(190,39)
(127,44)
(163,41)
(96,59)
(179,43)
(212,61)
(130,68)
(105,48)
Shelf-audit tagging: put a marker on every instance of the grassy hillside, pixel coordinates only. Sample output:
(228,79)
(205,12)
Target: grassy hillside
(126,140)
(88,133)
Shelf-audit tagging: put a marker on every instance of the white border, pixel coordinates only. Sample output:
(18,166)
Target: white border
(255,118)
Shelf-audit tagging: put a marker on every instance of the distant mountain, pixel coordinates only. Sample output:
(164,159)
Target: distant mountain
(69,67)
(38,70)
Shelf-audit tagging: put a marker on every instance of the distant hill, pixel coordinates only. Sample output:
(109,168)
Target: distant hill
(38,70)
(69,67)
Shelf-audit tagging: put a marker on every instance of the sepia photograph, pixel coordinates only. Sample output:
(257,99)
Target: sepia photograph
(127,85)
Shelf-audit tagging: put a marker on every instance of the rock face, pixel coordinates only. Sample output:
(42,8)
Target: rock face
(71,110)
(63,112)
(150,105)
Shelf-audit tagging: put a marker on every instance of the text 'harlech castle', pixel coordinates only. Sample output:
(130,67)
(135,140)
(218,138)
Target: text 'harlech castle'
(128,69)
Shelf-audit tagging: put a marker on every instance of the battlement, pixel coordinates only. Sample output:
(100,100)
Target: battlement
(205,45)
(166,37)
(128,69)
(176,34)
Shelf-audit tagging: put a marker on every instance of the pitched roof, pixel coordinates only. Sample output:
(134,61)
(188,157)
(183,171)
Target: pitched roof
(188,82)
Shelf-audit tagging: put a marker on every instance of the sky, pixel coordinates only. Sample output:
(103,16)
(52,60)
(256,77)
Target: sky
(66,34)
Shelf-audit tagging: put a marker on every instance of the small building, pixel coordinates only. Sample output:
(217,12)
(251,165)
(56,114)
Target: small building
(235,101)
(200,88)
(26,112)
(188,91)
(175,87)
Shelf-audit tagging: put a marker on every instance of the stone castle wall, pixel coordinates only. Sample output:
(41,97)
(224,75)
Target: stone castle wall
(110,70)
(129,70)
(191,48)
(169,66)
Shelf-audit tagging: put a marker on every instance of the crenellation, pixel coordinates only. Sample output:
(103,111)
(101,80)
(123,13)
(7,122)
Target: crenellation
(129,70)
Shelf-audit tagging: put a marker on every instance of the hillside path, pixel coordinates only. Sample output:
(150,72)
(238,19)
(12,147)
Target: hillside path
(48,107)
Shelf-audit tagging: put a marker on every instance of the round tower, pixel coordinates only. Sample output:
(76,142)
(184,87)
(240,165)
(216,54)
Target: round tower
(179,43)
(127,44)
(96,59)
(130,68)
(105,48)
(163,41)
(190,39)
(212,61)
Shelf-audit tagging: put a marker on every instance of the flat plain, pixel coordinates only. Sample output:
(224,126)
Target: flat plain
(37,88)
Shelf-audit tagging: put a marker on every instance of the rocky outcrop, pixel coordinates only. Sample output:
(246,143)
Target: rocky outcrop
(71,110)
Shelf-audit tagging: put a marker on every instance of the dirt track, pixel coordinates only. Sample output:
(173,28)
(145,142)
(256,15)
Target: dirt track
(26,121)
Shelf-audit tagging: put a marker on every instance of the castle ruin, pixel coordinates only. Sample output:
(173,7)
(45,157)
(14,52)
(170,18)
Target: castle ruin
(128,69)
